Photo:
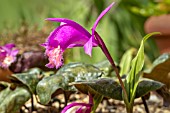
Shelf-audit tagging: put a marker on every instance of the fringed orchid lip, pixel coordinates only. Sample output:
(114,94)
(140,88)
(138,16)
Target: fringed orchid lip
(7,55)
(55,57)
(68,35)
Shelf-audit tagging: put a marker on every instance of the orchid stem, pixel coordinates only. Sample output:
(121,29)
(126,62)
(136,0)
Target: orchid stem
(106,52)
(145,104)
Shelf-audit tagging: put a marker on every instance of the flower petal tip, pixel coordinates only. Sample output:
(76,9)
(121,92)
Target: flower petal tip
(50,19)
(113,3)
(47,19)
(88,53)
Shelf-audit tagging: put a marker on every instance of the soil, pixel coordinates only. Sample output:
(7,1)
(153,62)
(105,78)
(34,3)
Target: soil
(154,103)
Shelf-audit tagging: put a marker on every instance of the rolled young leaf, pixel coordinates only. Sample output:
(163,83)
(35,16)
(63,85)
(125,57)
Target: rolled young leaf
(132,79)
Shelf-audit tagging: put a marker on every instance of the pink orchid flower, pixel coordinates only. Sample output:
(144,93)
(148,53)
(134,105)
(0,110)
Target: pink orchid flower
(7,55)
(68,35)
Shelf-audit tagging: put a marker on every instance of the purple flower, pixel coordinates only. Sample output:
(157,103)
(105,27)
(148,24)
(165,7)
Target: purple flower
(84,108)
(68,35)
(7,55)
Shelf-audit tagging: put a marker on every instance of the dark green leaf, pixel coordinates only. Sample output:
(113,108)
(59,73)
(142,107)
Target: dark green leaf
(111,89)
(67,74)
(12,100)
(146,85)
(30,78)
(104,86)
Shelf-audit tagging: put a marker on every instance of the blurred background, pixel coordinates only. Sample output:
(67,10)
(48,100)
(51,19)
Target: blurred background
(23,22)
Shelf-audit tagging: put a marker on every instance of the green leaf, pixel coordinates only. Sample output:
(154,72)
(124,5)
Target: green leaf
(131,81)
(104,86)
(107,87)
(125,62)
(47,86)
(160,70)
(105,67)
(30,78)
(12,100)
(80,71)
(96,101)
(147,85)
(4,90)
(67,74)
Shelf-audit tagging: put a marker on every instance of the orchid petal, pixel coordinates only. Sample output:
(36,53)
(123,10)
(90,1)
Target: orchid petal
(101,15)
(9,46)
(51,37)
(50,65)
(14,52)
(71,23)
(74,104)
(79,110)
(66,36)
(2,55)
(44,44)
(88,47)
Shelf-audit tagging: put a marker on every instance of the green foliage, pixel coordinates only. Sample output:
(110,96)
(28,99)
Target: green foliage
(30,12)
(105,86)
(96,100)
(121,30)
(111,89)
(30,78)
(147,85)
(71,78)
(105,67)
(48,86)
(34,12)
(148,7)
(126,61)
(132,79)
(69,73)
(12,100)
